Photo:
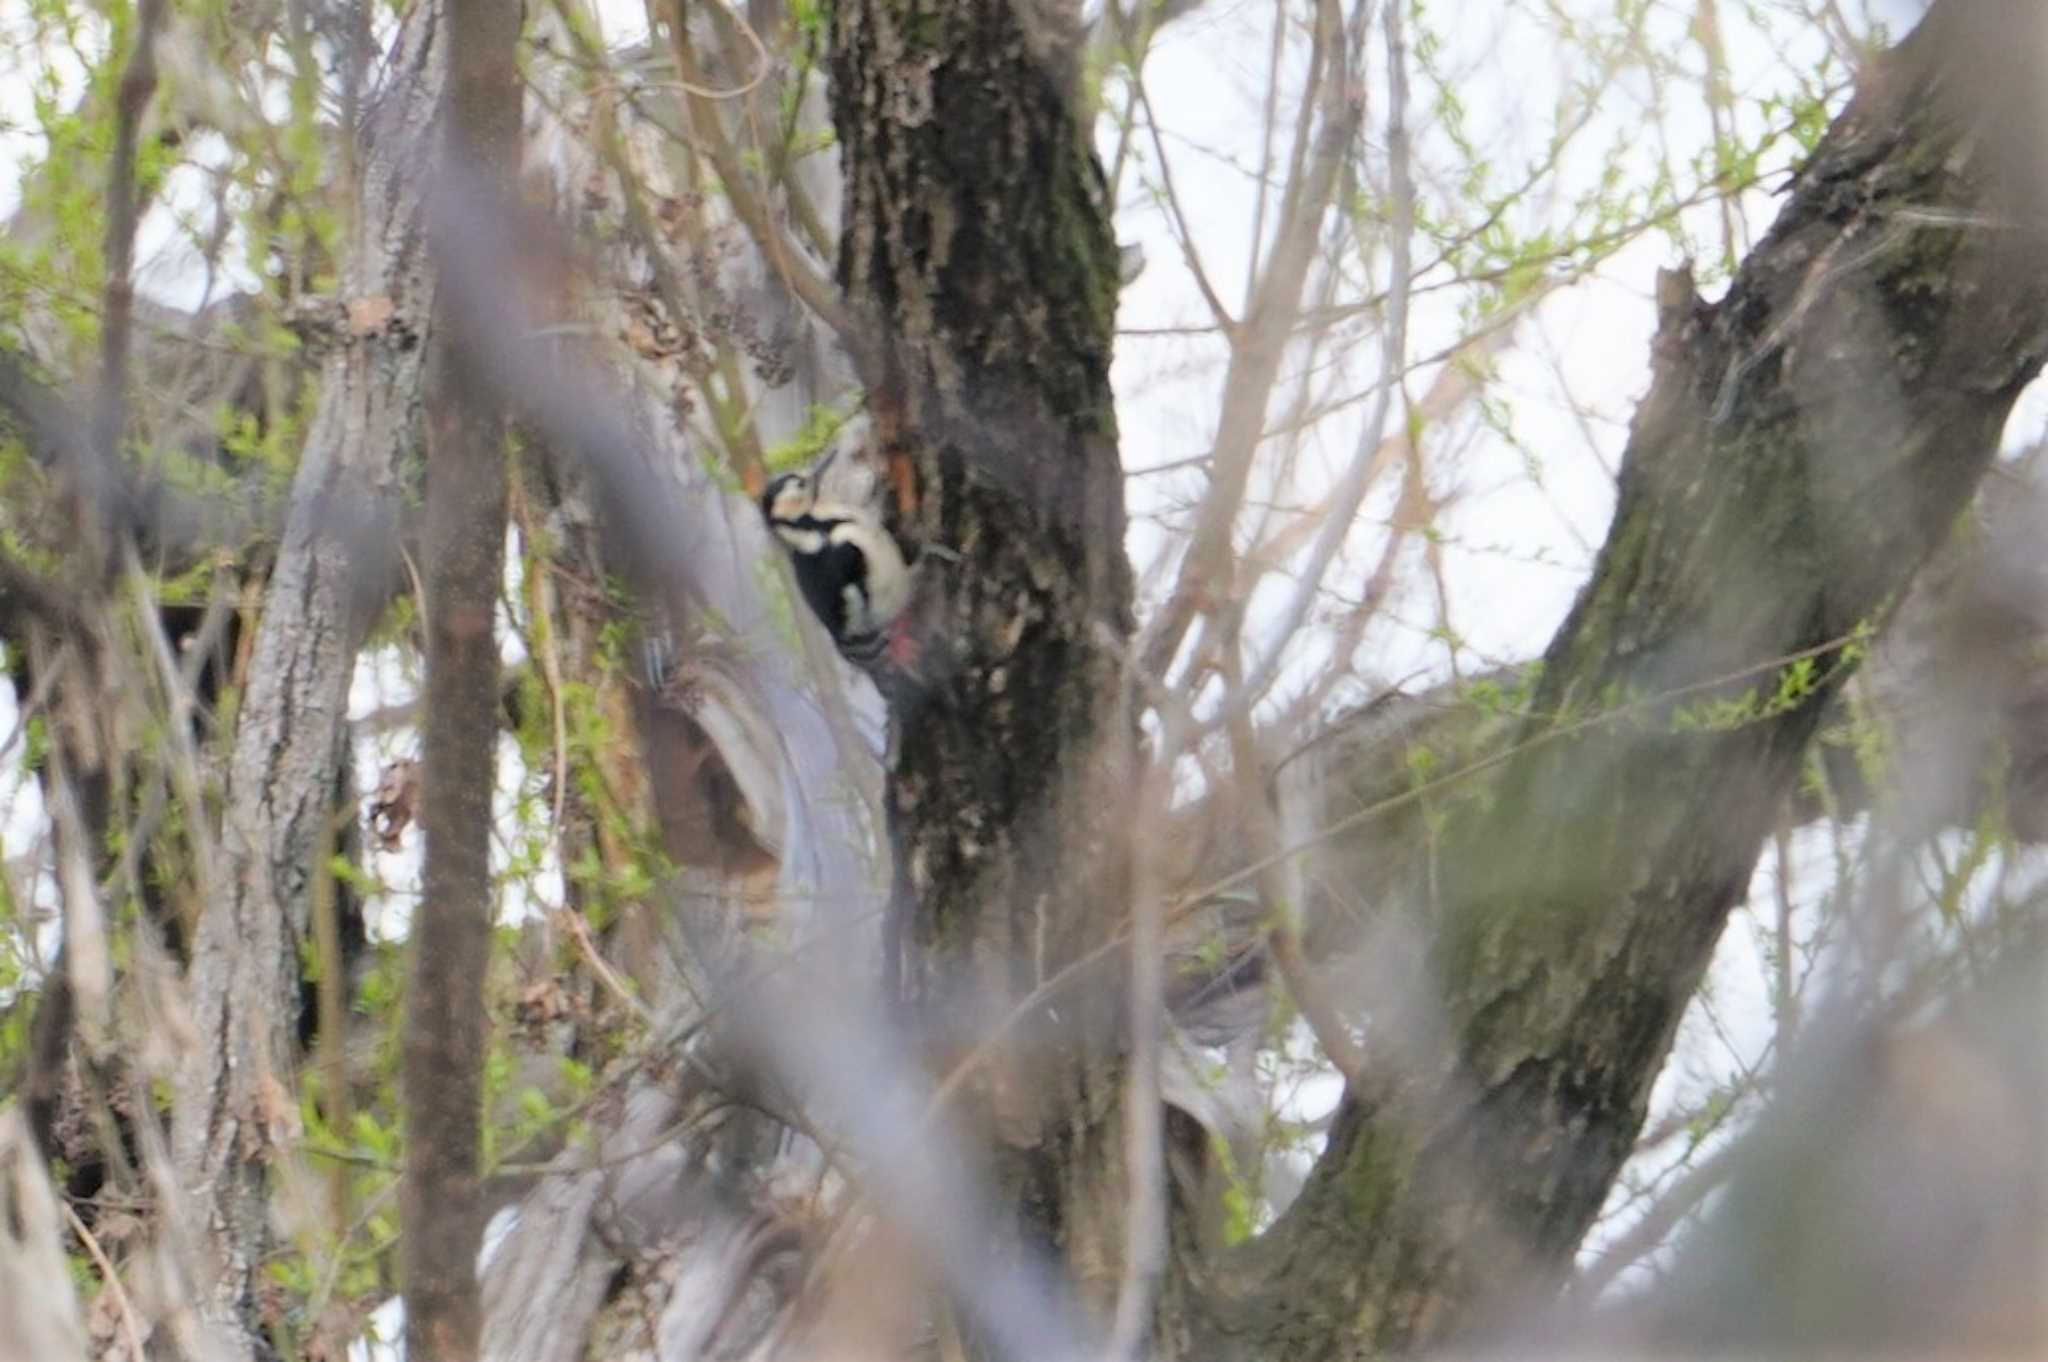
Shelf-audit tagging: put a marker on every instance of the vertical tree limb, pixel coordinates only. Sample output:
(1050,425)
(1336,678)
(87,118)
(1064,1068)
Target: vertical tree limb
(103,483)
(334,568)
(982,277)
(446,1022)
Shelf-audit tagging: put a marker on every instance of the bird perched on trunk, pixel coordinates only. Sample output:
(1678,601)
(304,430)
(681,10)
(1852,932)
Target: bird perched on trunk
(851,570)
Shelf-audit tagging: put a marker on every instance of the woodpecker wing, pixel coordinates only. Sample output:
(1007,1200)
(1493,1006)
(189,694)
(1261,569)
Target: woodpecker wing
(833,586)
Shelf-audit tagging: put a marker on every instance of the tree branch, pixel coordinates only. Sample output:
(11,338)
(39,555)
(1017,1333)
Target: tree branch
(1805,446)
(124,210)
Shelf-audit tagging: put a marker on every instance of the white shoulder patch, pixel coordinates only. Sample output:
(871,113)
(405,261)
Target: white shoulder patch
(801,539)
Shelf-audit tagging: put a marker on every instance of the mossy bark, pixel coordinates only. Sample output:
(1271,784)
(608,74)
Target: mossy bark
(1805,446)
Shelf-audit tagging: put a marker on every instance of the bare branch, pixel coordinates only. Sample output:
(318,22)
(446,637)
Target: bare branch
(1183,233)
(1369,457)
(795,267)
(1337,110)
(130,1335)
(1574,910)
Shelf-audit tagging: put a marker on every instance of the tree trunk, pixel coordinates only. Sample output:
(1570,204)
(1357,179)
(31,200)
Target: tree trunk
(235,1109)
(981,276)
(1805,445)
(447,1017)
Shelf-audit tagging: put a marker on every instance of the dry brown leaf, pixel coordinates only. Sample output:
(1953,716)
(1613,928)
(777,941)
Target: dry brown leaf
(541,1003)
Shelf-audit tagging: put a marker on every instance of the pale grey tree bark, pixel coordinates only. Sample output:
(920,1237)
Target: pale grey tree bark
(285,791)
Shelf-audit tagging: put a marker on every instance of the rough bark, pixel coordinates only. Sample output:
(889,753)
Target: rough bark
(333,566)
(1805,445)
(981,276)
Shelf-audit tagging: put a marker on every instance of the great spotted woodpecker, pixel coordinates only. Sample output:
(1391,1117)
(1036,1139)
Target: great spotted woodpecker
(850,569)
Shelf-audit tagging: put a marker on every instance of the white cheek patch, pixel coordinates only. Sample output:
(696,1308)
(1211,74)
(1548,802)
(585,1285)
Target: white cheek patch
(791,502)
(804,541)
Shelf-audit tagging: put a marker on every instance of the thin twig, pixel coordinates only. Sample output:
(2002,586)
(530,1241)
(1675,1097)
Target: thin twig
(1370,456)
(1656,1224)
(547,648)
(87,960)
(1265,175)
(28,707)
(1181,230)
(1785,990)
(817,292)
(1144,1134)
(419,587)
(1284,938)
(763,62)
(579,932)
(1258,342)
(122,1305)
(181,704)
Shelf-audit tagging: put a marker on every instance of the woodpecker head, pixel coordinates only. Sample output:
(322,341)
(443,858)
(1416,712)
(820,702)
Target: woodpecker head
(787,498)
(791,496)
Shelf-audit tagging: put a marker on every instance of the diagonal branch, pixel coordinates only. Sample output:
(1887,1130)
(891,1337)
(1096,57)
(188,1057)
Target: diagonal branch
(1770,504)
(803,279)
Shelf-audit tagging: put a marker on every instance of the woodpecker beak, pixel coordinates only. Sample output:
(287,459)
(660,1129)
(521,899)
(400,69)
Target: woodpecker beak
(818,472)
